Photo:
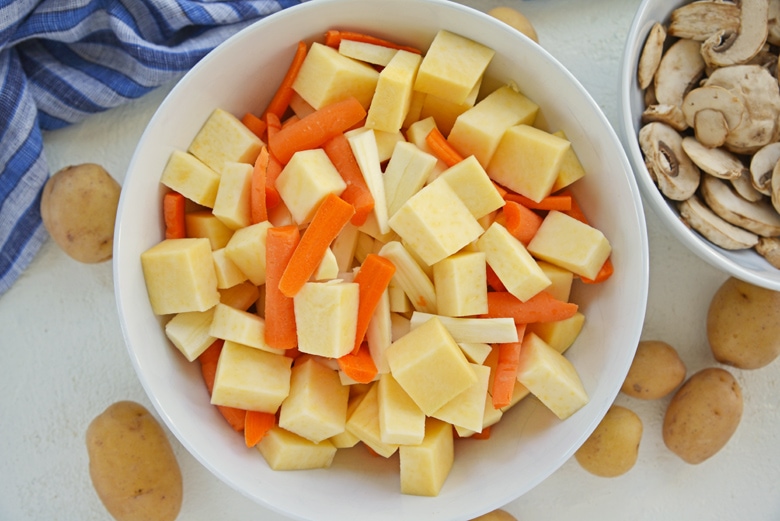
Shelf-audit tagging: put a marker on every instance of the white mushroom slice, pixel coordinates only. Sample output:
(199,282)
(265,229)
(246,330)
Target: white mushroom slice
(675,174)
(761,166)
(651,55)
(728,47)
(712,111)
(775,186)
(672,115)
(714,161)
(773,22)
(680,69)
(759,218)
(700,218)
(743,185)
(700,20)
(769,248)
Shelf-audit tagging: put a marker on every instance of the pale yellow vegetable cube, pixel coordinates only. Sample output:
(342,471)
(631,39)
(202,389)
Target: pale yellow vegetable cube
(241,296)
(416,133)
(399,301)
(223,139)
(460,284)
(551,377)
(415,108)
(435,223)
(364,423)
(490,416)
(561,280)
(393,94)
(228,274)
(561,334)
(344,246)
(204,224)
(305,181)
(446,112)
(232,203)
(316,407)
(180,276)
(386,142)
(326,77)
(406,172)
(326,317)
(242,327)
(452,66)
(571,244)
(430,366)
(478,131)
(367,52)
(527,161)
(284,450)
(571,168)
(328,267)
(188,175)
(512,263)
(346,439)
(425,467)
(467,410)
(476,352)
(251,379)
(401,421)
(246,248)
(470,181)
(189,332)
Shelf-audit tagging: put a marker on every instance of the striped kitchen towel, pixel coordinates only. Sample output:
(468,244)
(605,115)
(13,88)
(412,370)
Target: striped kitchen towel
(62,60)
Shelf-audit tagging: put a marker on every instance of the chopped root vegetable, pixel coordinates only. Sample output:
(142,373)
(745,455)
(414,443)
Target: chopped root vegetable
(173,213)
(280,328)
(357,193)
(372,278)
(272,197)
(359,365)
(521,221)
(256,425)
(561,203)
(607,269)
(542,307)
(208,368)
(506,370)
(255,124)
(257,195)
(493,281)
(441,148)
(281,100)
(333,38)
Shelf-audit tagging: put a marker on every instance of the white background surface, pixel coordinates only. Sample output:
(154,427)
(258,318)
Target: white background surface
(64,359)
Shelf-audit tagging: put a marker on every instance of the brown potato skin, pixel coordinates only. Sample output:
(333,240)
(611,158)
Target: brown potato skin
(613,447)
(703,415)
(743,325)
(78,208)
(496,515)
(132,465)
(655,372)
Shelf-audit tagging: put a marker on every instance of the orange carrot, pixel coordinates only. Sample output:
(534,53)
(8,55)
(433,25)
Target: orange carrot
(484,435)
(328,221)
(607,269)
(316,129)
(441,148)
(208,368)
(521,221)
(506,370)
(257,205)
(284,92)
(575,210)
(272,197)
(551,202)
(359,365)
(493,281)
(542,307)
(500,189)
(255,124)
(174,204)
(333,39)
(357,193)
(372,278)
(256,425)
(280,330)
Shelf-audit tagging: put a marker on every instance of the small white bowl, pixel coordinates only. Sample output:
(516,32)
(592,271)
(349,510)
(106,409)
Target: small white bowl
(746,265)
(530,443)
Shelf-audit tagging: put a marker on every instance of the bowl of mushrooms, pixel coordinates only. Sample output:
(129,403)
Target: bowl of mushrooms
(700,120)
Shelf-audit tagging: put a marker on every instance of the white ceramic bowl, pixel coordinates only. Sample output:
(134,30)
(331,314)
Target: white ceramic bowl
(530,443)
(746,265)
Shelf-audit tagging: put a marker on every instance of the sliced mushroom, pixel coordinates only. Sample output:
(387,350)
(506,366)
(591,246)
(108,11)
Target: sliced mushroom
(680,69)
(773,22)
(769,248)
(713,112)
(672,115)
(651,55)
(759,218)
(743,185)
(699,217)
(728,47)
(761,166)
(775,185)
(674,173)
(700,20)
(714,161)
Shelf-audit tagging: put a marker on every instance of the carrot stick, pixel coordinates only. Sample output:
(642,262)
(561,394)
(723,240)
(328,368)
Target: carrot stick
(208,368)
(506,370)
(315,129)
(372,278)
(357,193)
(551,202)
(272,197)
(607,269)
(329,219)
(173,212)
(358,364)
(280,329)
(521,221)
(284,92)
(441,148)
(257,204)
(484,435)
(333,39)
(542,307)
(255,124)
(256,425)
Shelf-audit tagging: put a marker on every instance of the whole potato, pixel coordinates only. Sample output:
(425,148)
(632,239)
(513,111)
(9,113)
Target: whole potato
(496,515)
(132,466)
(516,19)
(655,371)
(78,208)
(613,447)
(703,415)
(743,325)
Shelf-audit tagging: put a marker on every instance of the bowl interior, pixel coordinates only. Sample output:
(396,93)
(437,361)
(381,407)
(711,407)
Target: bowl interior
(530,443)
(746,265)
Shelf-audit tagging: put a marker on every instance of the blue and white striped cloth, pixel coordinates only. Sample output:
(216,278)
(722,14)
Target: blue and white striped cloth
(62,60)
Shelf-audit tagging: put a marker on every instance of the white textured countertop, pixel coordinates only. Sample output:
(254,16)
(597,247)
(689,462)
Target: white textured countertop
(65,360)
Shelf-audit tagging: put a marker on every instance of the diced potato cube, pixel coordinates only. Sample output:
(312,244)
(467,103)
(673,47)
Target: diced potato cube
(241,296)
(251,379)
(415,108)
(328,267)
(561,280)
(284,450)
(240,326)
(189,332)
(346,439)
(460,283)
(470,181)
(445,111)
(401,421)
(364,423)
(452,66)
(367,52)
(316,407)
(569,243)
(326,317)
(386,142)
(393,93)
(476,352)
(305,181)
(425,467)
(430,366)
(327,76)
(204,224)
(232,203)
(188,175)
(223,139)
(246,248)
(416,133)
(467,410)
(180,276)
(527,161)
(228,274)
(561,334)
(571,168)
(406,172)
